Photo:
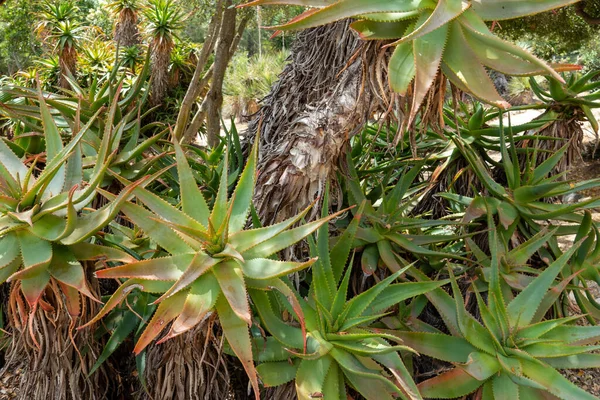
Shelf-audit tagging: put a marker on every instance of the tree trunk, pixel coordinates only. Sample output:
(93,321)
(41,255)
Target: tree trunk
(226,46)
(161,57)
(200,78)
(191,366)
(68,65)
(209,111)
(334,83)
(126,30)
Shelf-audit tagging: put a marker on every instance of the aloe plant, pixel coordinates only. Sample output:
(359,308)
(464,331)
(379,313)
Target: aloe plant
(41,230)
(392,235)
(450,170)
(512,352)
(340,348)
(522,206)
(45,255)
(212,260)
(430,35)
(566,106)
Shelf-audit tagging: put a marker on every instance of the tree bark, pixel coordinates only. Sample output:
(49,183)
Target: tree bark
(208,112)
(228,40)
(334,83)
(200,79)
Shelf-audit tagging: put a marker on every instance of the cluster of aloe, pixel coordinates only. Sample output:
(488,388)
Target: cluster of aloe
(93,189)
(44,222)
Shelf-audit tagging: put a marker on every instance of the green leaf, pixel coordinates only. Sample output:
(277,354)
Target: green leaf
(264,268)
(522,308)
(169,268)
(9,249)
(495,10)
(310,377)
(123,328)
(231,279)
(288,335)
(36,253)
(167,311)
(449,385)
(12,163)
(442,347)
(286,239)
(237,335)
(66,268)
(247,239)
(382,30)
(504,388)
(123,291)
(219,211)
(402,68)
(341,249)
(192,199)
(444,12)
(242,197)
(369,382)
(199,265)
(200,300)
(554,382)
(481,366)
(361,303)
(346,9)
(277,373)
(157,231)
(53,147)
(461,69)
(430,41)
(578,361)
(396,293)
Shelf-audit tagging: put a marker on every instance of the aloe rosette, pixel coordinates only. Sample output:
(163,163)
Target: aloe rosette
(212,262)
(43,223)
(512,352)
(341,348)
(430,35)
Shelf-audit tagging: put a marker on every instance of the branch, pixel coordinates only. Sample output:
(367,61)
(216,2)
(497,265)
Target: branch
(196,85)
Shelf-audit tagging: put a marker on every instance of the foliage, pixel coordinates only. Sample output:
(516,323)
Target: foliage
(449,245)
(249,80)
(447,35)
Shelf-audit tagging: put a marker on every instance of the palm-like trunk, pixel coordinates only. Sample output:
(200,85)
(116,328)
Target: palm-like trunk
(332,86)
(126,30)
(161,57)
(191,366)
(68,65)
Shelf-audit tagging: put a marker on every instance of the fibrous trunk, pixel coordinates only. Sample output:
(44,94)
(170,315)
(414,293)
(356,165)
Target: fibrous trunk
(564,129)
(126,30)
(332,86)
(161,57)
(47,358)
(68,65)
(191,366)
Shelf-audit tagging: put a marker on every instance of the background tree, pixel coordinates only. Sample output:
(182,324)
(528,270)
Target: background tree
(165,19)
(58,26)
(126,28)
